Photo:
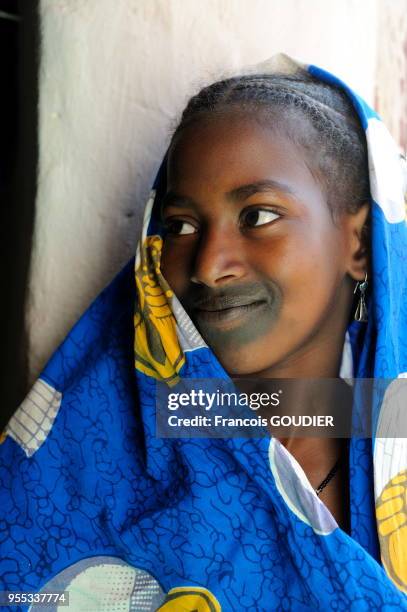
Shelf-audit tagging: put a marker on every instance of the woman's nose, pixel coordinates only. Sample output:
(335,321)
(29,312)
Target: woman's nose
(219,258)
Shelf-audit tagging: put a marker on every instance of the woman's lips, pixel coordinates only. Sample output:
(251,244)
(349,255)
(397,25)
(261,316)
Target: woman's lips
(220,317)
(235,315)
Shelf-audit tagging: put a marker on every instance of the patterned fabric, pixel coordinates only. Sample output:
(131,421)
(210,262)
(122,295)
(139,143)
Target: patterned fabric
(91,502)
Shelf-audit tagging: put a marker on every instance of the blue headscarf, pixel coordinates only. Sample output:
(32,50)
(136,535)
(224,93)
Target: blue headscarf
(94,504)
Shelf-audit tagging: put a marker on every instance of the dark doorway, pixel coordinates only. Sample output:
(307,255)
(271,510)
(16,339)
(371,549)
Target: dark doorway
(18,169)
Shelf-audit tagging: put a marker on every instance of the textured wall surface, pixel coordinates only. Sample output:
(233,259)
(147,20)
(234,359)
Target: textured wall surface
(391,83)
(114,75)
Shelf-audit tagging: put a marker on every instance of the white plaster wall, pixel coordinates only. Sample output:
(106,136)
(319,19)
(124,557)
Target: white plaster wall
(391,71)
(114,74)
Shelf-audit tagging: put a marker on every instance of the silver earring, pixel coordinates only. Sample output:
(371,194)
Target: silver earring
(361,309)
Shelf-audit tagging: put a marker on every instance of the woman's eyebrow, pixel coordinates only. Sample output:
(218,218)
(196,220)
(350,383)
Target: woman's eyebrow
(174,199)
(171,198)
(263,186)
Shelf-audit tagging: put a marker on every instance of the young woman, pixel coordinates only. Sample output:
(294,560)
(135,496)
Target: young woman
(263,240)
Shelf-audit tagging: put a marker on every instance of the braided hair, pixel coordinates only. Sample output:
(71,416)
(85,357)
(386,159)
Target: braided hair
(316,116)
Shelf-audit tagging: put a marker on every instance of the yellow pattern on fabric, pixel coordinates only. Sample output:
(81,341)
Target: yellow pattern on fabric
(190,599)
(391,514)
(157,349)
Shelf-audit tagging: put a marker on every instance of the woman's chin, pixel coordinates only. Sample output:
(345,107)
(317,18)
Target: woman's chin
(241,365)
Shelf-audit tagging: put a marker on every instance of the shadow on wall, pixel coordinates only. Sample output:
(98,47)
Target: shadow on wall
(18,164)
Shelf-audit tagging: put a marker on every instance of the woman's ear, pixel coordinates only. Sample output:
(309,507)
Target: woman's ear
(358,227)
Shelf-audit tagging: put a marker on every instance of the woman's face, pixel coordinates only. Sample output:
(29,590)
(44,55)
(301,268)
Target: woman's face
(251,249)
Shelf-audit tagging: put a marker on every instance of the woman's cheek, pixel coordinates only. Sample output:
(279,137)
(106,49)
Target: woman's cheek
(278,259)
(175,264)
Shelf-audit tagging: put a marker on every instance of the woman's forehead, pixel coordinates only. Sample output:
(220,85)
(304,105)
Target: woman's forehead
(229,151)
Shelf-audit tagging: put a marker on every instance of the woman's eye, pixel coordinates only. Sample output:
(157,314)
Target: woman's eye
(259,216)
(179,227)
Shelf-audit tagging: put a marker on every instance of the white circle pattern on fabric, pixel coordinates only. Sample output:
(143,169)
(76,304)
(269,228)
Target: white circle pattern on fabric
(390,451)
(346,370)
(105,584)
(387,171)
(33,420)
(296,490)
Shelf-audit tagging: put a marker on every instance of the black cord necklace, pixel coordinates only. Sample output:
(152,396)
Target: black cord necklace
(328,477)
